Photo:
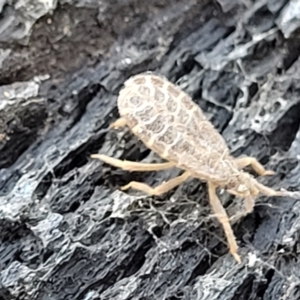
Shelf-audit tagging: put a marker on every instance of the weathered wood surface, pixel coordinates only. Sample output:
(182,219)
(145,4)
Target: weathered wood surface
(68,232)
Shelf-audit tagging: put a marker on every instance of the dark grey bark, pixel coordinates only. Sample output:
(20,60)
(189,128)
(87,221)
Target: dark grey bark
(68,232)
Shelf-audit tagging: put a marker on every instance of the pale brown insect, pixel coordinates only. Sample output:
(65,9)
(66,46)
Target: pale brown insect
(168,122)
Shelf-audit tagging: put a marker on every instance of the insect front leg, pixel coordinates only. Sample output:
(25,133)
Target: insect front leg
(224,220)
(131,165)
(159,190)
(249,200)
(257,167)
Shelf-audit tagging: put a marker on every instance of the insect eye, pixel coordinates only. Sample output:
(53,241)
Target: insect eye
(242,188)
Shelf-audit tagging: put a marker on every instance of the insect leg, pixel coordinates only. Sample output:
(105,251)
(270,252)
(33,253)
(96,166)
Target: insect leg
(243,162)
(223,218)
(161,189)
(121,122)
(249,204)
(131,165)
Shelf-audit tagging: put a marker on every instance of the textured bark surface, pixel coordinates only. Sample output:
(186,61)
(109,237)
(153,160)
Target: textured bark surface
(68,232)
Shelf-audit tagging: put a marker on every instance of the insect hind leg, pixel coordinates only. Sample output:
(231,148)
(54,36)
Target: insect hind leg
(121,122)
(133,166)
(159,190)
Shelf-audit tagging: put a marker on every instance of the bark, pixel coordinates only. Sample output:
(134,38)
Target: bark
(68,231)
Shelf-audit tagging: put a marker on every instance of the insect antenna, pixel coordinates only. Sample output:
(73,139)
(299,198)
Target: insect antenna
(282,193)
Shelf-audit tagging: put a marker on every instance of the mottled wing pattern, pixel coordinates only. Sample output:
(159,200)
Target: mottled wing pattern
(172,125)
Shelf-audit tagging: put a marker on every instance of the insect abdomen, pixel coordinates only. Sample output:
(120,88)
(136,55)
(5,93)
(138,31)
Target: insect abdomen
(169,122)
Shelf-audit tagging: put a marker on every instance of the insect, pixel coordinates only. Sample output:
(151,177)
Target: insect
(168,122)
